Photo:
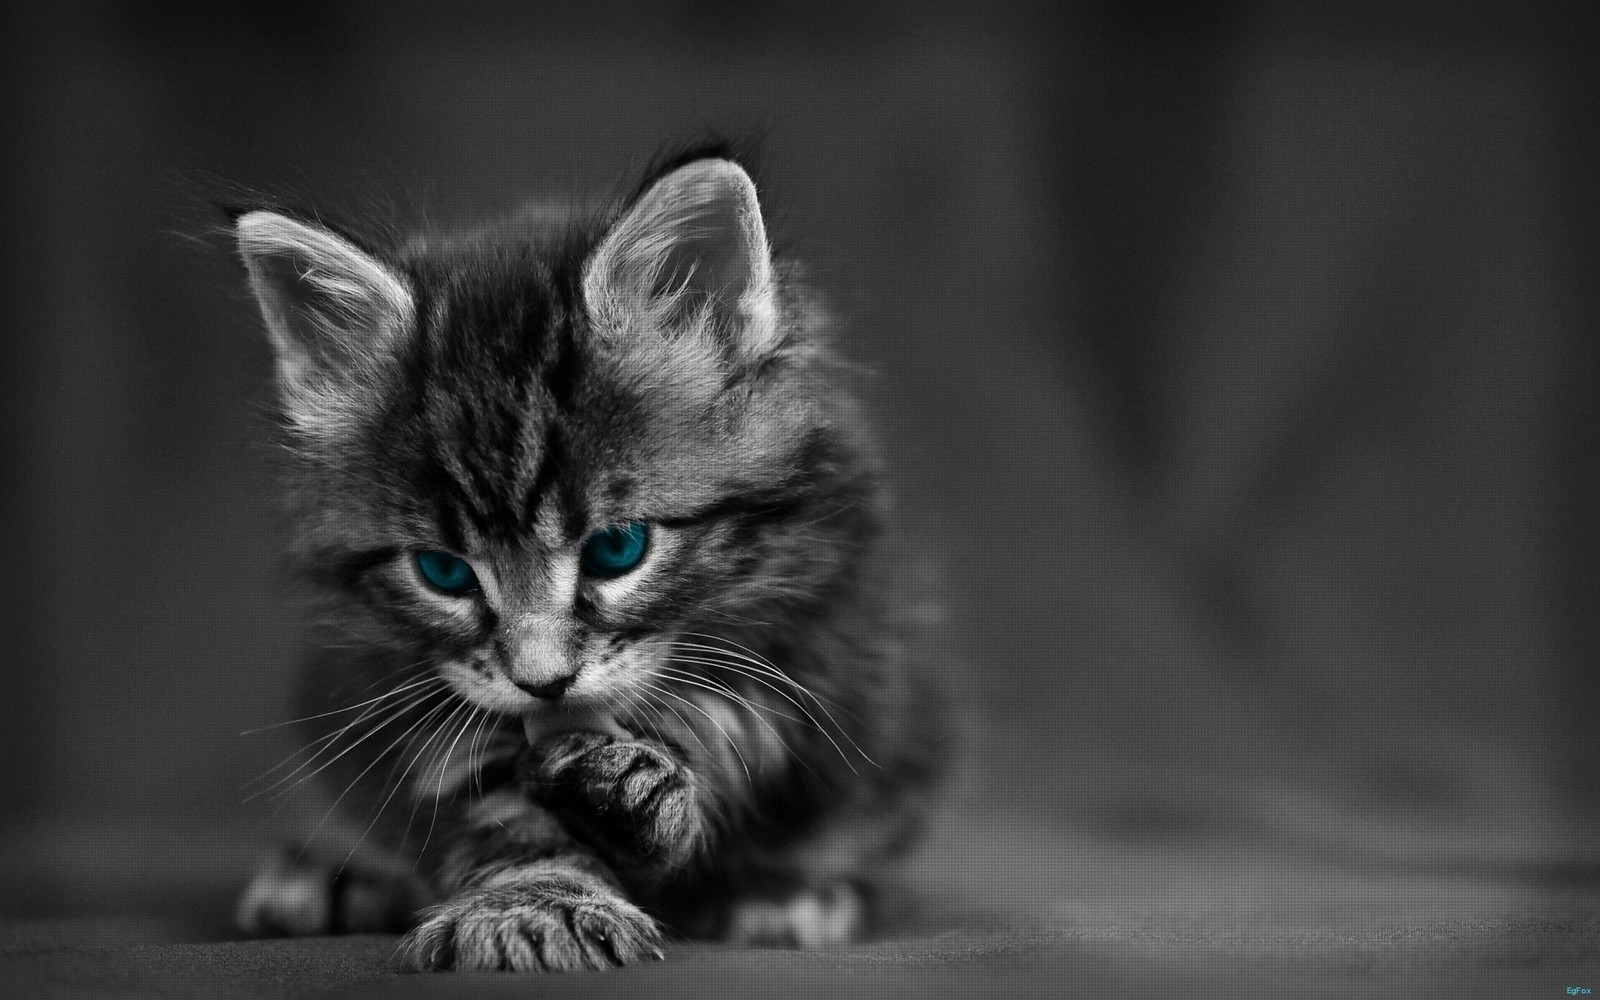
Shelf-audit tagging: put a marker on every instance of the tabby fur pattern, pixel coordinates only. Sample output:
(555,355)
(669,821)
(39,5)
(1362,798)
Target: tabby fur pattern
(743,731)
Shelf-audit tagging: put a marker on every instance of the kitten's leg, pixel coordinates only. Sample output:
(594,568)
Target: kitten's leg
(831,887)
(635,794)
(811,916)
(526,899)
(295,894)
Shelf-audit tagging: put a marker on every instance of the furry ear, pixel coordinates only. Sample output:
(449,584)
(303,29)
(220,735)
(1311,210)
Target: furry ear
(691,253)
(330,309)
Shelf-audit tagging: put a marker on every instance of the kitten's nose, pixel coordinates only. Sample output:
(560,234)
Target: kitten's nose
(550,691)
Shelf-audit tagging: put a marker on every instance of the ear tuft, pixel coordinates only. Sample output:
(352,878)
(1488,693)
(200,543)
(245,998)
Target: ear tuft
(330,308)
(690,254)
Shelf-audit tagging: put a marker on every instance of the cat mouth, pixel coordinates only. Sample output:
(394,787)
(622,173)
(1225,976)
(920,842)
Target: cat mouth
(544,720)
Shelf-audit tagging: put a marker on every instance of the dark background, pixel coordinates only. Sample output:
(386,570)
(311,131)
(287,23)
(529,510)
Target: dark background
(1239,363)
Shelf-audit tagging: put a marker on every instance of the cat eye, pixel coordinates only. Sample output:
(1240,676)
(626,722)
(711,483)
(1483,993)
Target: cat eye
(446,573)
(615,550)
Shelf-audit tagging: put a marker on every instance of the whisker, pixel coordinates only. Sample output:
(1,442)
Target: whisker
(308,747)
(389,675)
(637,698)
(412,755)
(444,763)
(415,732)
(755,709)
(376,760)
(729,660)
(474,761)
(712,719)
(729,616)
(766,666)
(436,736)
(339,711)
(417,699)
(745,670)
(808,720)
(654,692)
(372,711)
(721,688)
(395,786)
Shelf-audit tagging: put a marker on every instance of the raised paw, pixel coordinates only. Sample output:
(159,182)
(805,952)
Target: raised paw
(540,923)
(636,792)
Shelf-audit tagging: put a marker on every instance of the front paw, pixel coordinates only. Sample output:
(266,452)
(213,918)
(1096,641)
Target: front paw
(638,793)
(543,923)
(294,895)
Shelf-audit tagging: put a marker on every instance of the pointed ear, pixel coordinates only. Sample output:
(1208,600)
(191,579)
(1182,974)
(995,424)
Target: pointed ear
(330,308)
(691,252)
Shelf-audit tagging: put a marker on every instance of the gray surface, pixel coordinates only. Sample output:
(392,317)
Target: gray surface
(1002,909)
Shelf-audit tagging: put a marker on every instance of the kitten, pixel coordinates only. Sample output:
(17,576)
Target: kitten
(613,635)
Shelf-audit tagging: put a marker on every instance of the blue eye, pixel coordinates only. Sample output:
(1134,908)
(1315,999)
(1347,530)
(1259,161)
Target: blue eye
(446,573)
(613,551)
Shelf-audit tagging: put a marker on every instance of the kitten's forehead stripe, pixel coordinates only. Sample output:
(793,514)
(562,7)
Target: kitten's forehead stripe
(575,522)
(564,368)
(499,367)
(550,463)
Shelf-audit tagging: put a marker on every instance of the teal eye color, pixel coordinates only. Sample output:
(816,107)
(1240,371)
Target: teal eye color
(613,551)
(446,573)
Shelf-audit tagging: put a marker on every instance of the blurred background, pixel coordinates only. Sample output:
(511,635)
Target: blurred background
(1238,361)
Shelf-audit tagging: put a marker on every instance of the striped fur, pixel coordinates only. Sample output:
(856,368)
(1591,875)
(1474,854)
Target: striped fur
(752,732)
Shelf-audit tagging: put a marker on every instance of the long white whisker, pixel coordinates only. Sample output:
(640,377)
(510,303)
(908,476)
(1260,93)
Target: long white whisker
(417,699)
(745,655)
(428,749)
(340,711)
(816,723)
(416,733)
(311,745)
(443,764)
(412,755)
(705,662)
(730,617)
(721,688)
(326,741)
(377,758)
(640,699)
(712,719)
(717,686)
(654,692)
(395,786)
(767,666)
(388,676)
(474,761)
(630,711)
(438,735)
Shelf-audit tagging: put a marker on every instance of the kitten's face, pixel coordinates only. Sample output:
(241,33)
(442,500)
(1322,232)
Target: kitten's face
(542,469)
(556,528)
